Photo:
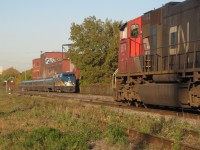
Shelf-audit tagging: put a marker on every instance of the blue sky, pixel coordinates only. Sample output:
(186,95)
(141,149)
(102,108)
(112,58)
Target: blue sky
(30,26)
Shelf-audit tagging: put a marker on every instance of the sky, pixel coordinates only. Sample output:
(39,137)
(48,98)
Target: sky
(28,27)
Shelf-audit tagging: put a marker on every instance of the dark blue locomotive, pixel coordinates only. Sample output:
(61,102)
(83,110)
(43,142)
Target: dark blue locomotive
(64,82)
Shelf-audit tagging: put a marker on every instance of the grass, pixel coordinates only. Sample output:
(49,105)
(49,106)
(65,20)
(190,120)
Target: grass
(29,122)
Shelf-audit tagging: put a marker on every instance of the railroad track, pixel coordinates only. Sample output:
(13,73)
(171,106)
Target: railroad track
(108,101)
(158,142)
(161,142)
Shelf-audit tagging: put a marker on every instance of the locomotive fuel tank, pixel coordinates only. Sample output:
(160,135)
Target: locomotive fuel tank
(164,94)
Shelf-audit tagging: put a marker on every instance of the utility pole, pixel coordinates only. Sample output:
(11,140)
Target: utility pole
(63,49)
(25,74)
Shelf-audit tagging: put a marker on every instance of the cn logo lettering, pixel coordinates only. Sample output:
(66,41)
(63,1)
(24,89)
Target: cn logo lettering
(179,37)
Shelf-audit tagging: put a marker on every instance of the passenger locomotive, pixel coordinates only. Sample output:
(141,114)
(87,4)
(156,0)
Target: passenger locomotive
(64,82)
(159,57)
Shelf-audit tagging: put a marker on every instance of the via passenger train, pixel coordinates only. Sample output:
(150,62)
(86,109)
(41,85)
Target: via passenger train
(64,82)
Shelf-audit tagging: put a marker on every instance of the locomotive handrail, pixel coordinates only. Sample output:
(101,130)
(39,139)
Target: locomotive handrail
(113,78)
(166,46)
(179,60)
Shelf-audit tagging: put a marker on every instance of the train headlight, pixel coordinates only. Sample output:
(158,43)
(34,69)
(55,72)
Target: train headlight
(68,84)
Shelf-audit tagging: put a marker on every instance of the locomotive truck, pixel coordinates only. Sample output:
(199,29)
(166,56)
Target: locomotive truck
(159,57)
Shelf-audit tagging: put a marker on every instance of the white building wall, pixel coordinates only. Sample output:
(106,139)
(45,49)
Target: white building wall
(1,70)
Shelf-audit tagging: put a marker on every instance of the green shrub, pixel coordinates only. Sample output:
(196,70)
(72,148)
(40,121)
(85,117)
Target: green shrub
(117,134)
(45,138)
(157,126)
(13,139)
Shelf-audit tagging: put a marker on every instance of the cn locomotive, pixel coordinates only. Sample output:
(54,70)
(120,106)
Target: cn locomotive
(159,57)
(64,82)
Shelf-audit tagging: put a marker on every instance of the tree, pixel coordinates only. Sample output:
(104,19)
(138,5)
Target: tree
(26,75)
(94,49)
(10,74)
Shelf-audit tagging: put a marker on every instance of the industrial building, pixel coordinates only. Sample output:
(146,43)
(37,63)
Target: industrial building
(51,63)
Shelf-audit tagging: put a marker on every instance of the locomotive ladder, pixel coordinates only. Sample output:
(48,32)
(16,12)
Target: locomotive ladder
(147,63)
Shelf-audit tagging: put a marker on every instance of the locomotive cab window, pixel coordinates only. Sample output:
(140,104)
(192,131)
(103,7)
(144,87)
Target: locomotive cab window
(134,30)
(68,75)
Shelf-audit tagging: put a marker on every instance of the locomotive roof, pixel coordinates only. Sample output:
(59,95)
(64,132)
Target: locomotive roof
(64,73)
(174,8)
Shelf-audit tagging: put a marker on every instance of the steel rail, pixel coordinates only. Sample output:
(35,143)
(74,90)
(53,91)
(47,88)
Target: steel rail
(107,101)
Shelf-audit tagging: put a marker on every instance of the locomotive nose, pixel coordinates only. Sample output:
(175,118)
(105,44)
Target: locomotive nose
(69,84)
